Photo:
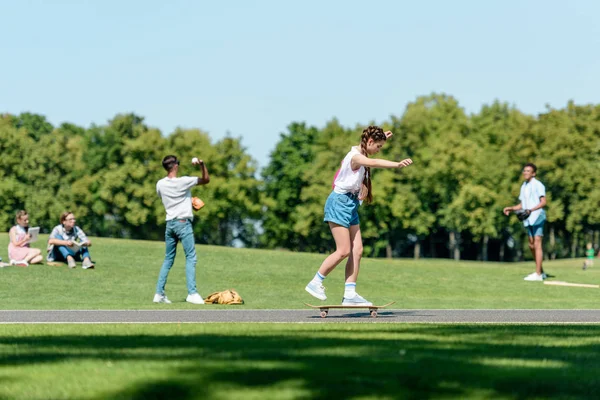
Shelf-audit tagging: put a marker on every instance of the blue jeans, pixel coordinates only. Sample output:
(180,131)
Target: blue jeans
(179,230)
(62,252)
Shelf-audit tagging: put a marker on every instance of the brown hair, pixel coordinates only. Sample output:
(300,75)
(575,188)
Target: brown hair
(532,166)
(20,214)
(377,134)
(64,216)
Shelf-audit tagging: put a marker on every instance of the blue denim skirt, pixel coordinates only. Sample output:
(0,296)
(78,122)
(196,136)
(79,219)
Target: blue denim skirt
(342,209)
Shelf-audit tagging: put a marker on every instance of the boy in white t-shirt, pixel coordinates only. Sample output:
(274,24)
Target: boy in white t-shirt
(176,196)
(533,201)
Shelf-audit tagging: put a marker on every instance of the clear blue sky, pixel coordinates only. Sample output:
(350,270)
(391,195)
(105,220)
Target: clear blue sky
(252,67)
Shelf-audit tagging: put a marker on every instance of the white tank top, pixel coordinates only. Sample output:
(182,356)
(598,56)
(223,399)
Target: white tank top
(348,181)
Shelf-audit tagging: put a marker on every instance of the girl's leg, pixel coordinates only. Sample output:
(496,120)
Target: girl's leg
(353,263)
(36,260)
(352,267)
(341,235)
(33,253)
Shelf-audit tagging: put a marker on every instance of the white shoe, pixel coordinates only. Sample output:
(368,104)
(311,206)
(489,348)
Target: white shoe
(534,277)
(161,298)
(19,263)
(194,299)
(357,300)
(316,289)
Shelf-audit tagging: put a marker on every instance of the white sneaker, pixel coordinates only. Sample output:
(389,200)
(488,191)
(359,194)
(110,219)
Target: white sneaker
(194,299)
(19,263)
(534,277)
(357,300)
(161,298)
(316,289)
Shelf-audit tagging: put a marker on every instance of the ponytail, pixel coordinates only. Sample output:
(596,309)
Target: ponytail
(375,133)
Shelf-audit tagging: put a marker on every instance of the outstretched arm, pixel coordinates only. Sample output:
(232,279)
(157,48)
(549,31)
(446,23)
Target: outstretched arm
(518,207)
(507,210)
(361,161)
(205,178)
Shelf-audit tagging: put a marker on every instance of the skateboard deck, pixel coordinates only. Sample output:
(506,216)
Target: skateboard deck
(372,309)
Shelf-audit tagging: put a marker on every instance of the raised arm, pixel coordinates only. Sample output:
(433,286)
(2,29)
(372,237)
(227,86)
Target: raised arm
(205,178)
(360,160)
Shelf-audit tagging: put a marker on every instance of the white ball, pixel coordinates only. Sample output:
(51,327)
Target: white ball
(195,160)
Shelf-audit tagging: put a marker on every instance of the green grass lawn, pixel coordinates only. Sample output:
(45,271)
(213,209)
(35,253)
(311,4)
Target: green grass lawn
(299,361)
(126,273)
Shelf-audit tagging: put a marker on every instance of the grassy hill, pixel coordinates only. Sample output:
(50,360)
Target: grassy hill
(126,272)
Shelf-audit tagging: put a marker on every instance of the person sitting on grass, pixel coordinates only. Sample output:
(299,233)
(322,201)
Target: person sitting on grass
(69,243)
(19,252)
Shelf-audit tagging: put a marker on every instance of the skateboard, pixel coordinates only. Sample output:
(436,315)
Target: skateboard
(372,309)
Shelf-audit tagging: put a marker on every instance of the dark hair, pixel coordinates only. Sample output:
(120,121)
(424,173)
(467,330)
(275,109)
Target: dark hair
(532,165)
(63,216)
(169,162)
(377,134)
(20,213)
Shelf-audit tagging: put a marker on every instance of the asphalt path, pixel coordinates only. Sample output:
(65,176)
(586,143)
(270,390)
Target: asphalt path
(297,316)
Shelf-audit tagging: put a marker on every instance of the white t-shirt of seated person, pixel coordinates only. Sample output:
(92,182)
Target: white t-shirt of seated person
(176,196)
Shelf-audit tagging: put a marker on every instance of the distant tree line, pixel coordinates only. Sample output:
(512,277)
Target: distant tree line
(448,204)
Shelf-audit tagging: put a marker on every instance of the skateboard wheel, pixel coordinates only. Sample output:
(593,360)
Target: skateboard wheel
(374,314)
(323,314)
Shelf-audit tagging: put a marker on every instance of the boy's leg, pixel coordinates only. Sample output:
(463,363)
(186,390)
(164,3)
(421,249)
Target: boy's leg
(189,247)
(170,252)
(538,254)
(84,254)
(64,252)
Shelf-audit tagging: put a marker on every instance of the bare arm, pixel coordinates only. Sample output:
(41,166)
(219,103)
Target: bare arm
(15,242)
(541,205)
(518,207)
(507,210)
(59,242)
(361,161)
(205,178)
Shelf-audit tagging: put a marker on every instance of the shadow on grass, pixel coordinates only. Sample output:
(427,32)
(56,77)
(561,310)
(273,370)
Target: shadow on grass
(405,361)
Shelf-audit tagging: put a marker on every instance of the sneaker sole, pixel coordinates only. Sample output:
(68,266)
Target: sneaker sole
(358,304)
(315,294)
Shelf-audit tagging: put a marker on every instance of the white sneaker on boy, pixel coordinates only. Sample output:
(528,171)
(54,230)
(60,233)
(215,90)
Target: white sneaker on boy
(357,300)
(161,298)
(533,277)
(316,289)
(194,299)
